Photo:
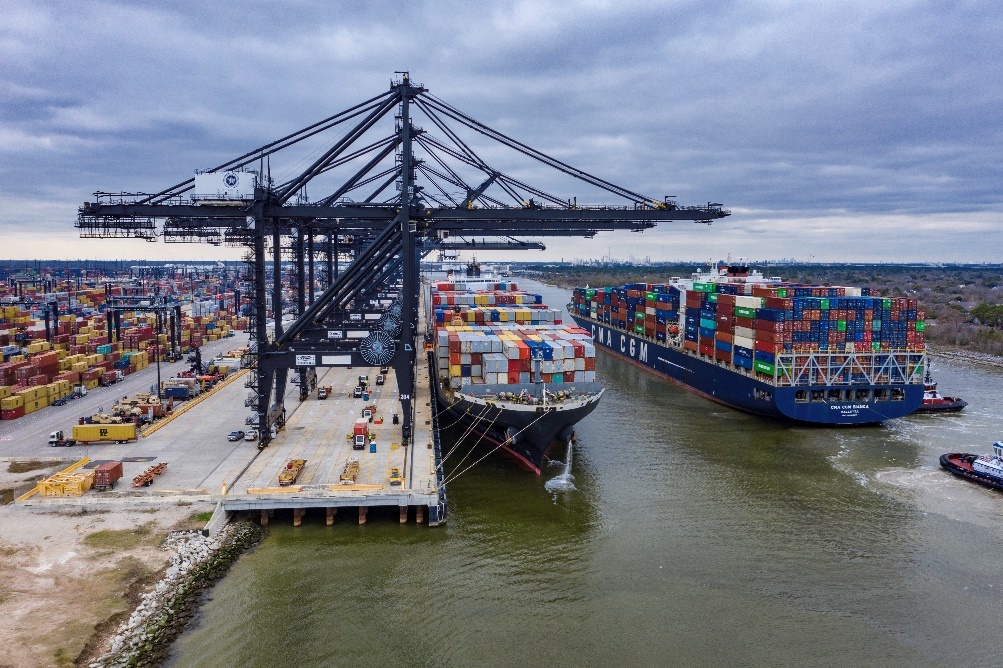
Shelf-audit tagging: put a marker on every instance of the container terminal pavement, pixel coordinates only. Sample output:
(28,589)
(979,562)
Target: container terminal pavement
(204,467)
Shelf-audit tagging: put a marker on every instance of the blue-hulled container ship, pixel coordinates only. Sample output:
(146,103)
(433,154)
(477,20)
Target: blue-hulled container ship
(813,354)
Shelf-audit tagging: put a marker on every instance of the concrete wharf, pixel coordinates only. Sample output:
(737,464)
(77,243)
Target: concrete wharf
(205,468)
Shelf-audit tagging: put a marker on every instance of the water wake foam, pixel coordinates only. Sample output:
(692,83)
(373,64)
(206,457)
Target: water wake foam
(564,481)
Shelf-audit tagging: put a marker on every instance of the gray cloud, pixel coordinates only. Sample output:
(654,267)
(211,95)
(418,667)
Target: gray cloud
(808,120)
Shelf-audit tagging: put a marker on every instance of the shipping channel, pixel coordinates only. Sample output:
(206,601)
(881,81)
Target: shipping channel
(695,535)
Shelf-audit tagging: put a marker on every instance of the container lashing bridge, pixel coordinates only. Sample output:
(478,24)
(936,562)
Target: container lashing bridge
(444,196)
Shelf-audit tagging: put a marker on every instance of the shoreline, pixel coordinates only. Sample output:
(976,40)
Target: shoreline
(197,563)
(103,586)
(69,574)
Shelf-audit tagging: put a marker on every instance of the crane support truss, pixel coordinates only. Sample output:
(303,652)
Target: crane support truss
(444,196)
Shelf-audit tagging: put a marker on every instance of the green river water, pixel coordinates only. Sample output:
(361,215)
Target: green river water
(690,535)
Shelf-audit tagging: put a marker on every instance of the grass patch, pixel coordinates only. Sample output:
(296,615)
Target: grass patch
(202,517)
(119,539)
(30,465)
(6,496)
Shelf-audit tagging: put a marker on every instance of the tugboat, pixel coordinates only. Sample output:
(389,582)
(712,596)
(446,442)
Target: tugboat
(984,469)
(935,402)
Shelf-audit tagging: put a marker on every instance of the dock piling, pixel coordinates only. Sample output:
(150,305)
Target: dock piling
(362,514)
(331,512)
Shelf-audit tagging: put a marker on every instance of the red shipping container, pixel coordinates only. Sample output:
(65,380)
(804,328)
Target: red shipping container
(768,347)
(12,413)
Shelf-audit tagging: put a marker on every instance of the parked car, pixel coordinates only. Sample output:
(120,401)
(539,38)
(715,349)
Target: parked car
(251,435)
(235,435)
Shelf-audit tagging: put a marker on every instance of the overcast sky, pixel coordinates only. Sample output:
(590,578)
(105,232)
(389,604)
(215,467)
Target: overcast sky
(855,130)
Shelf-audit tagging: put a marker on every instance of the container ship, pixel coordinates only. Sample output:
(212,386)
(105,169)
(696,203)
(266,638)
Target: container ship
(826,355)
(508,368)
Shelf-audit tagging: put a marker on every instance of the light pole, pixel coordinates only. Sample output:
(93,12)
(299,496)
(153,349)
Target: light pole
(156,348)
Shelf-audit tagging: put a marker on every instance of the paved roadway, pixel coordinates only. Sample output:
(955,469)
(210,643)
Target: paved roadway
(28,436)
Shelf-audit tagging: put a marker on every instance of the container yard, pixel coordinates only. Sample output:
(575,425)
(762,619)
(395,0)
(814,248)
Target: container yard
(186,456)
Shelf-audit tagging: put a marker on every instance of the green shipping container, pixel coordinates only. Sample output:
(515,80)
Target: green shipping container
(825,305)
(782,292)
(703,287)
(920,325)
(639,329)
(763,367)
(876,345)
(639,316)
(840,325)
(742,312)
(590,293)
(650,296)
(712,298)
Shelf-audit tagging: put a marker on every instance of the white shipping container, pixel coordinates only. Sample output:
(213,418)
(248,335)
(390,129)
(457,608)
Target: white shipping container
(743,341)
(745,332)
(748,302)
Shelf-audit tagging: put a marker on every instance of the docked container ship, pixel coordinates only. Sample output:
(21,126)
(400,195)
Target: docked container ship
(827,355)
(508,368)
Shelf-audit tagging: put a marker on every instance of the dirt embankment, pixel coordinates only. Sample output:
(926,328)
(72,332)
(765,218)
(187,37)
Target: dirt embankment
(69,577)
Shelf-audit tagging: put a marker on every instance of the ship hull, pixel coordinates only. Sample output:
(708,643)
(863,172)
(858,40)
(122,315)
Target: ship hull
(525,432)
(960,464)
(942,406)
(726,386)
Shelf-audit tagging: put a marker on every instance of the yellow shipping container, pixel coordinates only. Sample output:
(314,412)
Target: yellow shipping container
(11,402)
(91,384)
(4,391)
(79,367)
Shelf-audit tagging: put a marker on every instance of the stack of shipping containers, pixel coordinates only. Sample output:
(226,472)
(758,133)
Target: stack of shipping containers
(748,325)
(500,336)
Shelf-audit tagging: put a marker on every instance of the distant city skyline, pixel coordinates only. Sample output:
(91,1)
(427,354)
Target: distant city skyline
(846,132)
